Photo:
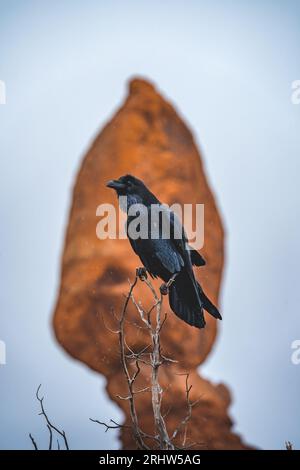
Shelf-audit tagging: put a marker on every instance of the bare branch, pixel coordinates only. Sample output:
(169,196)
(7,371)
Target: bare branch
(130,380)
(107,327)
(49,425)
(165,442)
(190,406)
(161,439)
(115,425)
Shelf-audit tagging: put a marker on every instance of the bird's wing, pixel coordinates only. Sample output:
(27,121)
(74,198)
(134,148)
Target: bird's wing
(155,248)
(169,245)
(178,236)
(189,255)
(162,244)
(196,258)
(168,255)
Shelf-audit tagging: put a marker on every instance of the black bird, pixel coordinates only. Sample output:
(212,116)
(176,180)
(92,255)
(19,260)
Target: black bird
(167,257)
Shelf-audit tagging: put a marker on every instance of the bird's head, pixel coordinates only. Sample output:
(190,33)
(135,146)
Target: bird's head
(134,189)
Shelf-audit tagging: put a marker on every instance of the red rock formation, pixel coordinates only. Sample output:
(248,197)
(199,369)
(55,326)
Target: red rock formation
(148,139)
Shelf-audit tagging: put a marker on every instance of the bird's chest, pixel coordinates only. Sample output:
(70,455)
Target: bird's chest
(140,225)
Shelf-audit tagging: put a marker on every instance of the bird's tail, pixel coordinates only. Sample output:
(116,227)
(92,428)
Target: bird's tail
(187,300)
(209,306)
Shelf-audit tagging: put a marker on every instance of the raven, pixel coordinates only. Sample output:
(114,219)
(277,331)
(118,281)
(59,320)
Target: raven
(167,257)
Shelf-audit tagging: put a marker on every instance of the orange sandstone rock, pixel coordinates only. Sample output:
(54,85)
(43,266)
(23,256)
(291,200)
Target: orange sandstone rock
(148,139)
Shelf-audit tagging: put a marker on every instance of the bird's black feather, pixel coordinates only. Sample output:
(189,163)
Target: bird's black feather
(166,254)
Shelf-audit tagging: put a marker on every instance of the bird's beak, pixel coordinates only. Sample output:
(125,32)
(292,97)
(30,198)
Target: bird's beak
(115,184)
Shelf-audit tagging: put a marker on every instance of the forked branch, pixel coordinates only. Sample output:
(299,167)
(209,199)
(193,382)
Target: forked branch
(152,357)
(50,426)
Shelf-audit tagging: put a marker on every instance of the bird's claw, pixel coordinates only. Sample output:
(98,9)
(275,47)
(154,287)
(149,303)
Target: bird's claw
(164,289)
(141,273)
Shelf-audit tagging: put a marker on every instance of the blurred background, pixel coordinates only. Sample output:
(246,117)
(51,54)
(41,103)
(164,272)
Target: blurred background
(228,67)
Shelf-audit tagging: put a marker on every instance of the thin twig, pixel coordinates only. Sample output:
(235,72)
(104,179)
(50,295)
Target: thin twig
(115,425)
(50,436)
(190,406)
(33,442)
